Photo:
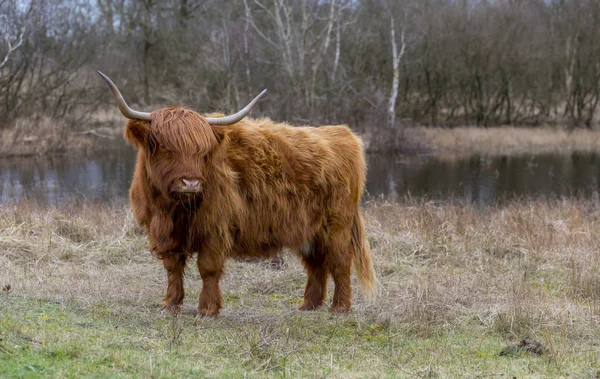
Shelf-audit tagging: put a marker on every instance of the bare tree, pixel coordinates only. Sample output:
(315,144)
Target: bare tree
(10,47)
(325,61)
(396,57)
(300,33)
(247,16)
(318,58)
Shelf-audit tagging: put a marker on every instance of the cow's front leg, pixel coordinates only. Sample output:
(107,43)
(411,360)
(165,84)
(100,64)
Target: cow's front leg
(174,264)
(211,269)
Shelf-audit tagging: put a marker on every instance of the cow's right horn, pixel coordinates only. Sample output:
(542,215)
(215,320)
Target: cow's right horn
(228,120)
(123,107)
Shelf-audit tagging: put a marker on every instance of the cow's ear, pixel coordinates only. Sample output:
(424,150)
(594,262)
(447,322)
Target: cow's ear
(137,133)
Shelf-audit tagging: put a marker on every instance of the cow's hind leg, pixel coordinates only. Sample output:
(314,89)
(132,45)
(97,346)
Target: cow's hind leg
(211,300)
(316,286)
(174,264)
(338,258)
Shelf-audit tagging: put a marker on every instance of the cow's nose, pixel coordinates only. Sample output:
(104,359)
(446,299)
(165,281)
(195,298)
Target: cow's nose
(190,183)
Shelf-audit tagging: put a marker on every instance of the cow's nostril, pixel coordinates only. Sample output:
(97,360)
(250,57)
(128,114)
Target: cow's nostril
(190,183)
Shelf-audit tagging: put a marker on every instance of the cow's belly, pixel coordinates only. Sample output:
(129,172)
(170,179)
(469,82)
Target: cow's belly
(257,250)
(269,240)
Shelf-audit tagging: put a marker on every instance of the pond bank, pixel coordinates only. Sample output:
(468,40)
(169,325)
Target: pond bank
(44,136)
(499,140)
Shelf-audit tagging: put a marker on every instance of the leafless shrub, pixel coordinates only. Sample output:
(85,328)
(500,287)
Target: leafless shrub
(462,63)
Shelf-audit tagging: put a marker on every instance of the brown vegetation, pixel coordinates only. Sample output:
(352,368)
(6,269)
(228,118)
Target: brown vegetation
(42,135)
(523,269)
(486,141)
(46,136)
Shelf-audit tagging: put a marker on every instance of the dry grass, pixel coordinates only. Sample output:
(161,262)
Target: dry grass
(458,283)
(519,268)
(40,135)
(502,140)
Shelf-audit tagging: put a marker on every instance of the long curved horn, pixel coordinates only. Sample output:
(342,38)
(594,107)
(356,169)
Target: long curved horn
(123,107)
(228,120)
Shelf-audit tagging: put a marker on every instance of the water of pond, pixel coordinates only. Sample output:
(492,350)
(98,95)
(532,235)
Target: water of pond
(477,179)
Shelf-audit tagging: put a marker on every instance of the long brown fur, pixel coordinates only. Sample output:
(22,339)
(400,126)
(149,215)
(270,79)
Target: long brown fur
(264,186)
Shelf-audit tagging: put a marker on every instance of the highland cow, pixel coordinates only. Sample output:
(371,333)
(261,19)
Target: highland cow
(220,187)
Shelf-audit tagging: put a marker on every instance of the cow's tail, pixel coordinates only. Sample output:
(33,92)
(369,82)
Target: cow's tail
(362,257)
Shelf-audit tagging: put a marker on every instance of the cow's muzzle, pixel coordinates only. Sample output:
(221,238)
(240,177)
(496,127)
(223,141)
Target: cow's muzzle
(187,185)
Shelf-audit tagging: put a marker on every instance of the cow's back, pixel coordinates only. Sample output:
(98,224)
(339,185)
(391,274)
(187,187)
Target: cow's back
(292,182)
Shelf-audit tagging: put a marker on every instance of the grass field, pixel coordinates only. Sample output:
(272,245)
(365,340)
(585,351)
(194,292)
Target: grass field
(458,284)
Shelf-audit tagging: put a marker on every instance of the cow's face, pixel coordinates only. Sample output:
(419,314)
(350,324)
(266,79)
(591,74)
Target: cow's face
(175,172)
(177,144)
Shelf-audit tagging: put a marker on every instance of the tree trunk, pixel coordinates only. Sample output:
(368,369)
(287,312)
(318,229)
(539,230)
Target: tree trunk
(396,57)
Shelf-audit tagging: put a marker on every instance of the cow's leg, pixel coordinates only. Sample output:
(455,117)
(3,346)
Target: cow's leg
(316,286)
(342,293)
(174,264)
(211,269)
(339,261)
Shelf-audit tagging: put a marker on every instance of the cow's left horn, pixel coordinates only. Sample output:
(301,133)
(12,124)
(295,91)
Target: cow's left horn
(123,107)
(228,120)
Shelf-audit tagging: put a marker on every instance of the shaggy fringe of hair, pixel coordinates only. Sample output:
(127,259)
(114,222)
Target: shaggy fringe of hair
(171,127)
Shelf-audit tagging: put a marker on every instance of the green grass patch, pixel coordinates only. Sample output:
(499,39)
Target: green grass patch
(41,338)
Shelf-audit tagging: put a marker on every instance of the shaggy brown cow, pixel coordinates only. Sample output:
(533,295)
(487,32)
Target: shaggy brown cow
(224,187)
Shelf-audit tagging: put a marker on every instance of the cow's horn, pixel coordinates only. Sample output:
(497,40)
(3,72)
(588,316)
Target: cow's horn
(123,107)
(228,120)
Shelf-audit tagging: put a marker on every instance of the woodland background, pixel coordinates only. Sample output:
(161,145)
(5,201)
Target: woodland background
(371,63)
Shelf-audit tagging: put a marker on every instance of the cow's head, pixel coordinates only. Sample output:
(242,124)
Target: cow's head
(176,141)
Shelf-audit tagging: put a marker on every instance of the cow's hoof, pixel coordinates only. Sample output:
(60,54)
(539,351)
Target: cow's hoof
(340,309)
(308,306)
(168,305)
(207,315)
(208,312)
(172,309)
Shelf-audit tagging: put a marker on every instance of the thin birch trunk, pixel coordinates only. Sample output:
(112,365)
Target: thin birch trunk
(12,48)
(396,57)
(336,60)
(323,50)
(246,49)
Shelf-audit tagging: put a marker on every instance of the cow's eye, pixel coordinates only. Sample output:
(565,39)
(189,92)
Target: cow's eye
(163,149)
